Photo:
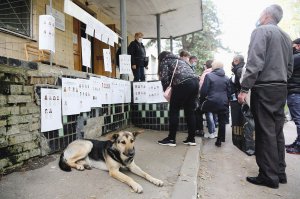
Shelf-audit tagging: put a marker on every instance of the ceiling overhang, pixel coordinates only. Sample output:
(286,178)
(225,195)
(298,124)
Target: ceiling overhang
(177,17)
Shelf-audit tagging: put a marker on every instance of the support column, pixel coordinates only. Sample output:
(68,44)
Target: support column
(158,33)
(171,44)
(51,53)
(123,32)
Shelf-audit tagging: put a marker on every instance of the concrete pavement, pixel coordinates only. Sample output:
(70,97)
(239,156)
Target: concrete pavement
(223,172)
(176,166)
(188,172)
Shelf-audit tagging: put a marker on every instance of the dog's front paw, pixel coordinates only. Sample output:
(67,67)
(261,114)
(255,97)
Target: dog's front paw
(80,167)
(158,182)
(137,188)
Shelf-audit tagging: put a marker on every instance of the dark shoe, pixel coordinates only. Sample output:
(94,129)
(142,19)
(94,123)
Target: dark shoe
(218,143)
(291,145)
(293,150)
(282,180)
(190,141)
(167,142)
(199,133)
(261,182)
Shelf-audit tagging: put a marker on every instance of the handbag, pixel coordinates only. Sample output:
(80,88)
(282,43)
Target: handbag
(168,91)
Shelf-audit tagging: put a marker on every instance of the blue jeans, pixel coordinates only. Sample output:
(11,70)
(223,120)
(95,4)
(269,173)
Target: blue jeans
(210,122)
(293,101)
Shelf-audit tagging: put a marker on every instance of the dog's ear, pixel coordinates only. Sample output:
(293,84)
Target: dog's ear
(136,133)
(113,136)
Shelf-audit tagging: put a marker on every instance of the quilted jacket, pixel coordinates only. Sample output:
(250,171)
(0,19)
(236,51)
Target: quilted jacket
(183,72)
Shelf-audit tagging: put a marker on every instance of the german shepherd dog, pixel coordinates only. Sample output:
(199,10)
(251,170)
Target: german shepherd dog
(111,155)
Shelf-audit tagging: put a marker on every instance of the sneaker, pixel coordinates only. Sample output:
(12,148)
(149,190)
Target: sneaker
(212,136)
(167,142)
(216,134)
(294,150)
(206,135)
(291,145)
(190,141)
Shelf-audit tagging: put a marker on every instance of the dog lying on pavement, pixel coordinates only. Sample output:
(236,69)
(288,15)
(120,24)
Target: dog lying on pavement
(111,155)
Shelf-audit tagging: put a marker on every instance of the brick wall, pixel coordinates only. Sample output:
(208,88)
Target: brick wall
(13,47)
(19,117)
(20,135)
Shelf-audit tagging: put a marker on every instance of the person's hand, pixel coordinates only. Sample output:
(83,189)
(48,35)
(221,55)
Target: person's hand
(242,97)
(146,67)
(133,66)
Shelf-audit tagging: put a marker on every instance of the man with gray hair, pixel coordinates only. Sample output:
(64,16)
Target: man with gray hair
(269,65)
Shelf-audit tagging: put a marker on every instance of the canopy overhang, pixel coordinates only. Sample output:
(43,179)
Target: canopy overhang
(177,17)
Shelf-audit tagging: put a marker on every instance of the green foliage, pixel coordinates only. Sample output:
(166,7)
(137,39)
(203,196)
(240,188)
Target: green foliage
(291,17)
(204,43)
(201,44)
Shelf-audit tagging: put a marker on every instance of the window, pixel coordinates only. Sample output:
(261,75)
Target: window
(15,16)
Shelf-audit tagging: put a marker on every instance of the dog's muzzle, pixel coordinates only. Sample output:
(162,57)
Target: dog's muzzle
(130,153)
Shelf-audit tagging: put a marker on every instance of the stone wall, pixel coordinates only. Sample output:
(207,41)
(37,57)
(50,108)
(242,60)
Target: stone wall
(20,135)
(19,115)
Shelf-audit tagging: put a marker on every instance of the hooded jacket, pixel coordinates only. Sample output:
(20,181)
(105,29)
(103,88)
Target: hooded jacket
(215,92)
(183,71)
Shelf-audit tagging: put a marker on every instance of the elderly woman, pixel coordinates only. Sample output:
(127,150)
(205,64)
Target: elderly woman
(214,97)
(185,87)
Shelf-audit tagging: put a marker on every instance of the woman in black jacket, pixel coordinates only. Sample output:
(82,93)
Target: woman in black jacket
(138,57)
(214,97)
(185,88)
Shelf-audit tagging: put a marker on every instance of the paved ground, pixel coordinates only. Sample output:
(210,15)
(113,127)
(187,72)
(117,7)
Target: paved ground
(223,171)
(165,163)
(221,174)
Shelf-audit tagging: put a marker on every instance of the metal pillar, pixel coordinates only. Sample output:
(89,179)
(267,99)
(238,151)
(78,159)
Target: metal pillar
(123,32)
(123,26)
(158,33)
(51,53)
(171,44)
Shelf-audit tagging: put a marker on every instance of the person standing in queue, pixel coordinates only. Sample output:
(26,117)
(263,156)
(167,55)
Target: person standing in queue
(185,88)
(269,65)
(293,98)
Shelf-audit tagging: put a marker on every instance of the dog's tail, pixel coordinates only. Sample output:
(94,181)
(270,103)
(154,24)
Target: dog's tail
(62,164)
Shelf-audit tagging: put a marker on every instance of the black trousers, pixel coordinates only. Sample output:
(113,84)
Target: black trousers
(183,96)
(138,74)
(199,119)
(267,106)
(223,120)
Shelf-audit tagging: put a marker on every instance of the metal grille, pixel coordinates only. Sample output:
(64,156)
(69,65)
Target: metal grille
(15,16)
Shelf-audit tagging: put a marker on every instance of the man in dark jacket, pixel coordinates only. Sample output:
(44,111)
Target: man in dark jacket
(214,97)
(138,57)
(237,68)
(293,98)
(269,65)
